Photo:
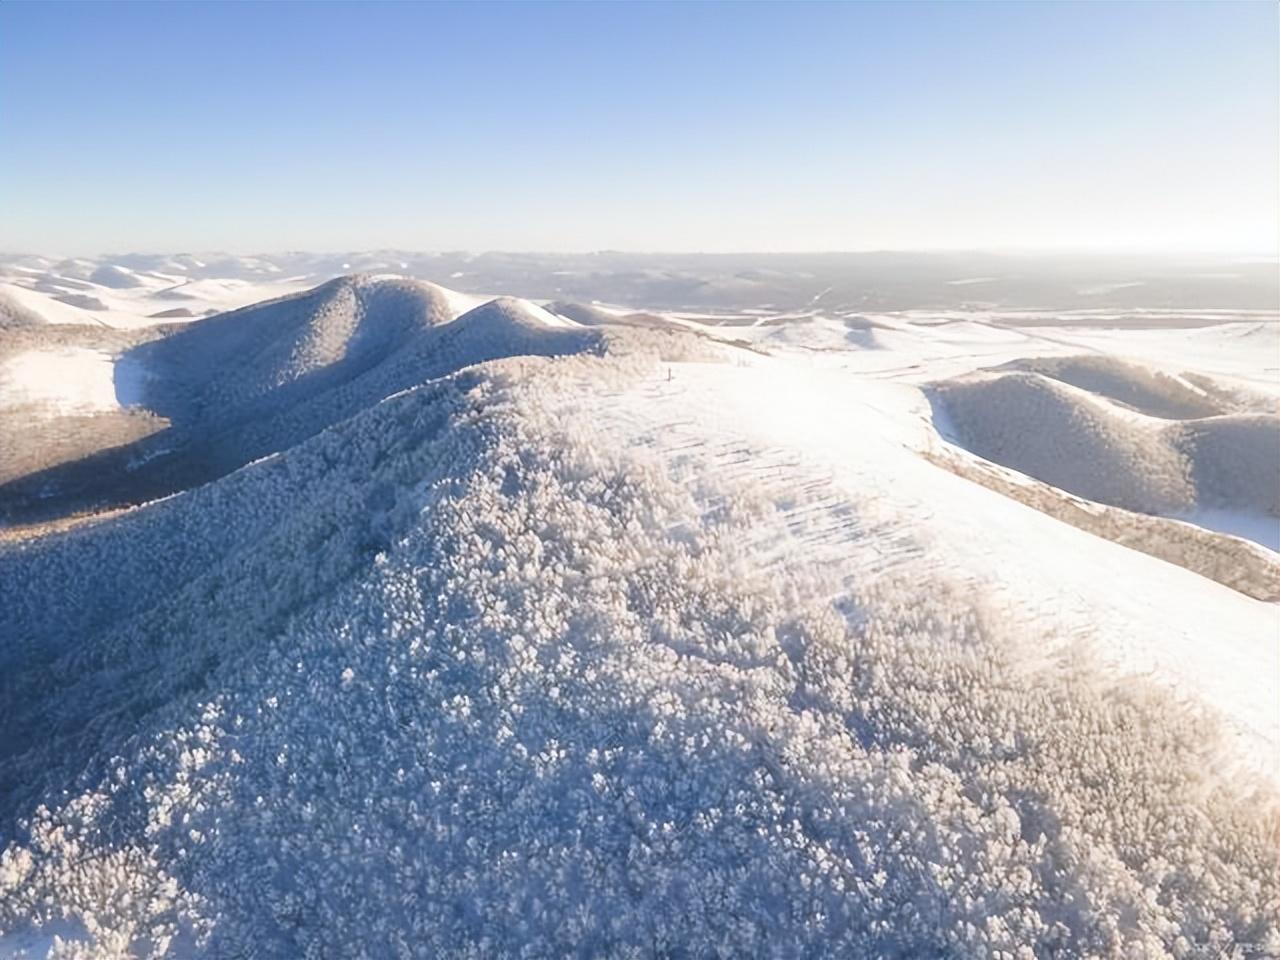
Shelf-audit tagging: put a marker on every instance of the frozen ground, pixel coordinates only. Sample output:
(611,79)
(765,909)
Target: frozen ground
(480,628)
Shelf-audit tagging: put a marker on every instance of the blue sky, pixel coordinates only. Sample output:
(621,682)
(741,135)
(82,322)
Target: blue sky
(707,126)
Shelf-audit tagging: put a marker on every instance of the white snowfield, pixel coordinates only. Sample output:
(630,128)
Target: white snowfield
(59,380)
(511,630)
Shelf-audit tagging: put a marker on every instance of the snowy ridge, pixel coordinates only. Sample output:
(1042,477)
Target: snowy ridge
(477,671)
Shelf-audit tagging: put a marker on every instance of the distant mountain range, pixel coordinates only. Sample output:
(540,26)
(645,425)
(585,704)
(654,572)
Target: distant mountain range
(127,289)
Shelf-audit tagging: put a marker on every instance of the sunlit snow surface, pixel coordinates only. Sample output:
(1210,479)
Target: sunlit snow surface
(59,381)
(668,646)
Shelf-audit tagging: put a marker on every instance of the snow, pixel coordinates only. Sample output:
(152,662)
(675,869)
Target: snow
(129,379)
(1252,525)
(460,303)
(47,307)
(1104,288)
(29,945)
(68,380)
(548,318)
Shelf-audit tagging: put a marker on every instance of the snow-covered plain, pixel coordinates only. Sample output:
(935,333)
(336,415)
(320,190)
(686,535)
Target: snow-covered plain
(501,628)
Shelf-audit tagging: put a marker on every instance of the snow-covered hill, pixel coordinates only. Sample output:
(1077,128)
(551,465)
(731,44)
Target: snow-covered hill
(1094,448)
(494,629)
(241,385)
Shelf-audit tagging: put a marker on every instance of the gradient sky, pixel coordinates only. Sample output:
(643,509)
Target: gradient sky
(526,126)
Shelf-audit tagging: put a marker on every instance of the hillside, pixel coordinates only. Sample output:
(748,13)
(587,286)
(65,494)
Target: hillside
(469,629)
(1097,446)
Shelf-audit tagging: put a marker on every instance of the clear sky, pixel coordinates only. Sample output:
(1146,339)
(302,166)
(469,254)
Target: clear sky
(639,126)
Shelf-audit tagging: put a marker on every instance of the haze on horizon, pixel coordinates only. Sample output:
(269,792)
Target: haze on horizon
(692,127)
